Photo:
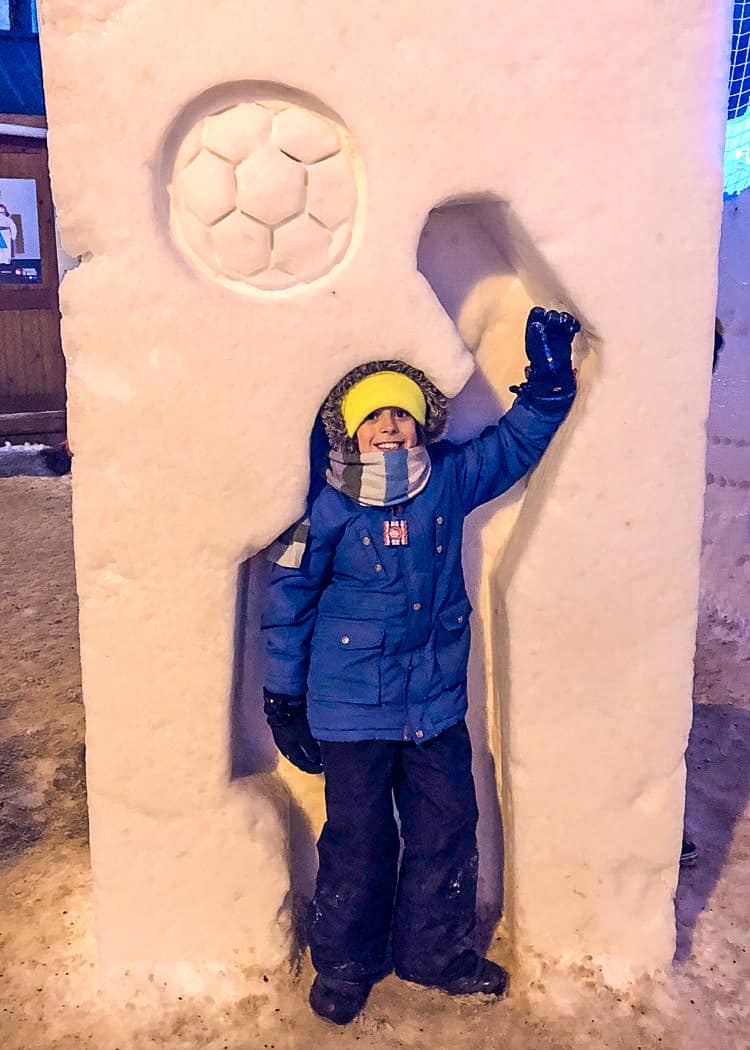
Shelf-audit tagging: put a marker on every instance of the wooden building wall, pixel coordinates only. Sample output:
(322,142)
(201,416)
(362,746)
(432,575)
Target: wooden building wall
(32,367)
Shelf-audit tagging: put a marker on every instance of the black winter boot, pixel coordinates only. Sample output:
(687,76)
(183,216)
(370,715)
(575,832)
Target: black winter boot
(336,1000)
(471,974)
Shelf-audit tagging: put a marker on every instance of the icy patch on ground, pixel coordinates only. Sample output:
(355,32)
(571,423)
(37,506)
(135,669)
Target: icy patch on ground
(23,459)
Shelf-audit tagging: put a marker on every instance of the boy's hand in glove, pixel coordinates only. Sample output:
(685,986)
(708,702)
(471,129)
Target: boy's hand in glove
(550,379)
(287,717)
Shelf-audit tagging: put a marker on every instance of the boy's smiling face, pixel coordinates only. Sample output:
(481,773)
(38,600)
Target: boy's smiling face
(386,430)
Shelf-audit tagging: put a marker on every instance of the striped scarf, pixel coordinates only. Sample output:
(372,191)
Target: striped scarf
(376,479)
(379,479)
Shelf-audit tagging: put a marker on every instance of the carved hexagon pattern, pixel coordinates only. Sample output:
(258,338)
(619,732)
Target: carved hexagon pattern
(302,247)
(236,132)
(304,135)
(264,193)
(243,246)
(270,186)
(208,188)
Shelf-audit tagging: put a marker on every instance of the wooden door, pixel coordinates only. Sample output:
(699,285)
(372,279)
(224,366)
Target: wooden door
(32,367)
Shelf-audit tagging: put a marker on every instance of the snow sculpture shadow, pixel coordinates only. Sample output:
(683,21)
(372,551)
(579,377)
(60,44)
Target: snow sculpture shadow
(486,273)
(252,746)
(252,750)
(718,787)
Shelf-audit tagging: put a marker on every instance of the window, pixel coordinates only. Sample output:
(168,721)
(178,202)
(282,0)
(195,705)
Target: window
(18,16)
(21,89)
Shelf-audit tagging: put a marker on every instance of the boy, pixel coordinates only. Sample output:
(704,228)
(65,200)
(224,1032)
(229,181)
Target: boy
(366,630)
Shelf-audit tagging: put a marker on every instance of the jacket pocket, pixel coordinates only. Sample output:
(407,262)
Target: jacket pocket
(453,641)
(345,660)
(372,558)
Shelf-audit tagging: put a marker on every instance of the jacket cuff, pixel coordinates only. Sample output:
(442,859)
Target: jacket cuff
(552,409)
(280,708)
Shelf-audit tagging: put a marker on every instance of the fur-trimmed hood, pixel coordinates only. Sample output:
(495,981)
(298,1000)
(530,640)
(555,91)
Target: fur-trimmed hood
(333,421)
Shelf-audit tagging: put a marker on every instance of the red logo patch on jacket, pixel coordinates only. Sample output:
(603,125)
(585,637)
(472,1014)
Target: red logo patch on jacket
(395,532)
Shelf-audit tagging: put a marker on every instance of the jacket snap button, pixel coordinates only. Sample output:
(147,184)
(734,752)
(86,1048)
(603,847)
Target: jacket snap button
(366,541)
(440,520)
(416,606)
(439,548)
(378,567)
(345,639)
(419,734)
(460,619)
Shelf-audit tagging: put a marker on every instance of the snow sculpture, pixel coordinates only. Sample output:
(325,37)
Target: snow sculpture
(264,194)
(588,603)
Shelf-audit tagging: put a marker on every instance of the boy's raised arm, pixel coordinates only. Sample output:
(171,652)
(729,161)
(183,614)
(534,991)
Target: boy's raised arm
(501,455)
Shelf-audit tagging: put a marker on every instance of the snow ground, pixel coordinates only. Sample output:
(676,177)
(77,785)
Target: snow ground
(48,998)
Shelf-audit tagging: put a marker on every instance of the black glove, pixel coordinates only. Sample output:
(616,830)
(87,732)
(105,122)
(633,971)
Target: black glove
(287,717)
(550,379)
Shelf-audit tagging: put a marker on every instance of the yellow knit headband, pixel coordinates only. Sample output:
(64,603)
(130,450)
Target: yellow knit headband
(382,390)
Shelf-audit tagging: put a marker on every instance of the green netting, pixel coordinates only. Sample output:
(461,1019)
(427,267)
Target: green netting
(737,150)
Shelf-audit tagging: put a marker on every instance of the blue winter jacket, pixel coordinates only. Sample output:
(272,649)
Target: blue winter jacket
(378,636)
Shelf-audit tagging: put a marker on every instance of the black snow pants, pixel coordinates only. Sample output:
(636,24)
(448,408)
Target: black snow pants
(427,908)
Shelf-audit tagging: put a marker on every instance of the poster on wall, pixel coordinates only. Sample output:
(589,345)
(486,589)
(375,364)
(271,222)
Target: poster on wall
(20,253)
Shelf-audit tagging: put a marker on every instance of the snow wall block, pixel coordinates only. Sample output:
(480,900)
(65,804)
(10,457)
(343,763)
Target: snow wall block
(264,196)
